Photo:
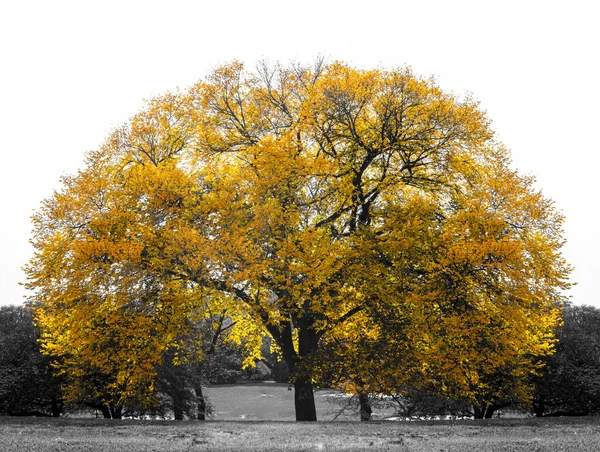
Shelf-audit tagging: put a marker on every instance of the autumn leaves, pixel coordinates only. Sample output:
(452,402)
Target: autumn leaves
(366,220)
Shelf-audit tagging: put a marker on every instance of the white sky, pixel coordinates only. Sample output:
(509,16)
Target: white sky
(70,71)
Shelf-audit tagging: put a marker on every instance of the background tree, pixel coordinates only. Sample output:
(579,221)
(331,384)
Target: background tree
(570,384)
(27,385)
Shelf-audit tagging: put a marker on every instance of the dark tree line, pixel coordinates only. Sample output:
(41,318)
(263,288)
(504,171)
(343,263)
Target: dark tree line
(570,384)
(27,383)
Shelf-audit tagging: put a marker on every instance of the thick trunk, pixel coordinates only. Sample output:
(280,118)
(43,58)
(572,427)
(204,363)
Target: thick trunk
(304,399)
(478,412)
(298,359)
(178,398)
(365,407)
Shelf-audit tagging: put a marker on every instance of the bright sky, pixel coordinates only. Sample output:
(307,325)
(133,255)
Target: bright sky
(71,71)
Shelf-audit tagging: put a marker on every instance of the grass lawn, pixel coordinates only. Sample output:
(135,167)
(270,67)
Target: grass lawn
(98,435)
(254,416)
(269,401)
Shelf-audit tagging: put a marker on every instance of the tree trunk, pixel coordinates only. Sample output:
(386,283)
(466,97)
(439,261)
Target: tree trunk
(486,410)
(178,411)
(105,412)
(365,407)
(539,408)
(304,399)
(104,409)
(479,412)
(57,407)
(201,403)
(116,412)
(489,412)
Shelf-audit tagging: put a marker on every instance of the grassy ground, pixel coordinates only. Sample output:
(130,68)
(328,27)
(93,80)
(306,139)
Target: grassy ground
(91,435)
(257,403)
(268,401)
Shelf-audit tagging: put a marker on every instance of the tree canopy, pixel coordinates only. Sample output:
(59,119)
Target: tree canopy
(361,211)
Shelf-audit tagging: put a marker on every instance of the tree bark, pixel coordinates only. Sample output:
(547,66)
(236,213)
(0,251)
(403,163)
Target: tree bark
(304,399)
(304,396)
(308,340)
(201,401)
(365,407)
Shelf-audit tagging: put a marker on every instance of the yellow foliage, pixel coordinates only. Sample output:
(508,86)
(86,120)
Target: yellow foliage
(365,219)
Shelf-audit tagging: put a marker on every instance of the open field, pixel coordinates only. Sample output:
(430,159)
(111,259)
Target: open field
(91,435)
(270,401)
(244,420)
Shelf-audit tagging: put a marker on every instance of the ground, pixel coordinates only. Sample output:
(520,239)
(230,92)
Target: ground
(98,435)
(259,416)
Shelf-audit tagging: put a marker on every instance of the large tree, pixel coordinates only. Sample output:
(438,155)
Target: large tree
(275,191)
